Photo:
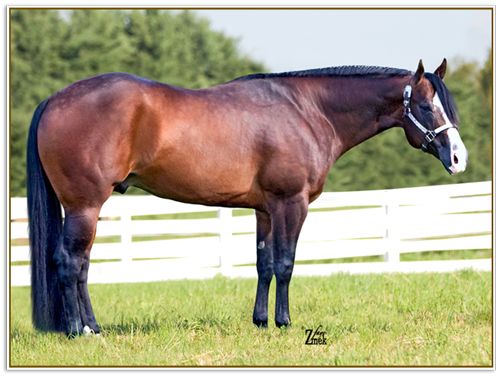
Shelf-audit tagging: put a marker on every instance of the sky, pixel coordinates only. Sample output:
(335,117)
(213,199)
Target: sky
(286,40)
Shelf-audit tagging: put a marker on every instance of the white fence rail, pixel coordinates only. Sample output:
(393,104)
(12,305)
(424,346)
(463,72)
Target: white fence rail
(144,238)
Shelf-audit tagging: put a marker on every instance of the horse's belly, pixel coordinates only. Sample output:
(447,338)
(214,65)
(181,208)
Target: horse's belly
(200,181)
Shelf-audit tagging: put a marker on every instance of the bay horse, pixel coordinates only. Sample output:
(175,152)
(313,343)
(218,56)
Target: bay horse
(262,141)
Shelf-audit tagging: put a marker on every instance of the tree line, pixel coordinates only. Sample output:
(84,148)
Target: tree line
(50,49)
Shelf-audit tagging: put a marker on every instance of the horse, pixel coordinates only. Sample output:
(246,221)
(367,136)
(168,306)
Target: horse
(261,141)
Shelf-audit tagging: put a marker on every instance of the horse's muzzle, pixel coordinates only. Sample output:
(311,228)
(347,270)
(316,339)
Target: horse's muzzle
(454,155)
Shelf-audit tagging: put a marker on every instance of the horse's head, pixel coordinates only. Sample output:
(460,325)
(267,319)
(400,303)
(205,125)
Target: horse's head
(431,120)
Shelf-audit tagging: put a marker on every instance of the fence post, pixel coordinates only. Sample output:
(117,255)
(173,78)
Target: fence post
(391,234)
(126,234)
(225,233)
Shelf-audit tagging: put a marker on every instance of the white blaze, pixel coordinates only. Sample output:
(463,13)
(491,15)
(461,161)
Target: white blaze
(458,152)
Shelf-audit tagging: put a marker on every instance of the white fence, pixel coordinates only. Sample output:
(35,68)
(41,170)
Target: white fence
(144,238)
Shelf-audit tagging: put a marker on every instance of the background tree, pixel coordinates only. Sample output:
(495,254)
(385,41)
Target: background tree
(37,70)
(96,42)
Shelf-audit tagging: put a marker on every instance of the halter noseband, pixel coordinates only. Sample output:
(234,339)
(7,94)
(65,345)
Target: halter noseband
(429,134)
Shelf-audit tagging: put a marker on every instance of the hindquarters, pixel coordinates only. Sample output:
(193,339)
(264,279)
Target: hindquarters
(86,139)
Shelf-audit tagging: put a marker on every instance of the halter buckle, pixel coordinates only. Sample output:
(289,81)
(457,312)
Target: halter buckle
(406,99)
(430,136)
(407,94)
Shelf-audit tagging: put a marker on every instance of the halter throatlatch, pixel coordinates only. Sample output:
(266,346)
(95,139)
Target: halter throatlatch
(429,134)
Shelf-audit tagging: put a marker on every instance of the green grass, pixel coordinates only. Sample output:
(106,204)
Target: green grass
(468,254)
(379,320)
(450,236)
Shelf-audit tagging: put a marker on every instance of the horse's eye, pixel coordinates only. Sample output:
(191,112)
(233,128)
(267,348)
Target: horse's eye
(426,108)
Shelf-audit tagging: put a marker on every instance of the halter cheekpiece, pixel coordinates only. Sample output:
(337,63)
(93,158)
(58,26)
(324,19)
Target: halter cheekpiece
(429,134)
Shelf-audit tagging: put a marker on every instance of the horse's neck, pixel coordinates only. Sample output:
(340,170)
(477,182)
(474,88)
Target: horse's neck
(363,110)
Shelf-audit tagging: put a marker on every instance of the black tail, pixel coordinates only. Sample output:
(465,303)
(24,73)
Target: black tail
(45,229)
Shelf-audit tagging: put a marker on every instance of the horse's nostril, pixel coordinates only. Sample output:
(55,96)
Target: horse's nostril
(455,159)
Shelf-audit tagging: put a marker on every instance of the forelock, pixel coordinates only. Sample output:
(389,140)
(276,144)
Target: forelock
(444,96)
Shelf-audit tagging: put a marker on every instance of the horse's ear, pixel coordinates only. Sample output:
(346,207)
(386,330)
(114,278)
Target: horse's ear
(441,70)
(419,73)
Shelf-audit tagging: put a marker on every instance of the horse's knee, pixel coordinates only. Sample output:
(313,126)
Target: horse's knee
(265,272)
(283,271)
(265,265)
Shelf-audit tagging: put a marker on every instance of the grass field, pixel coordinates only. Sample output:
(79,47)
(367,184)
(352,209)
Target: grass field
(379,320)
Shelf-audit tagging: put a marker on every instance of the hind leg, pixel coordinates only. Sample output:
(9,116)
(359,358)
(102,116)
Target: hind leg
(71,258)
(86,311)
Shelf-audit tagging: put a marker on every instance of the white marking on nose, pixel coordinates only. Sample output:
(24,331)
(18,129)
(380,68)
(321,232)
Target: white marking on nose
(458,152)
(437,102)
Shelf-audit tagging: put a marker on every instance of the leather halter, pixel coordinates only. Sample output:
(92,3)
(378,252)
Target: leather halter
(429,134)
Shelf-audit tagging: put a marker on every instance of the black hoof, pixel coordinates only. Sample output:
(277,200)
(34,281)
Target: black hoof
(283,324)
(73,334)
(75,330)
(260,323)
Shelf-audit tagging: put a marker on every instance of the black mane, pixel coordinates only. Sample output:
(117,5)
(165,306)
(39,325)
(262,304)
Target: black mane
(349,70)
(362,70)
(445,97)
